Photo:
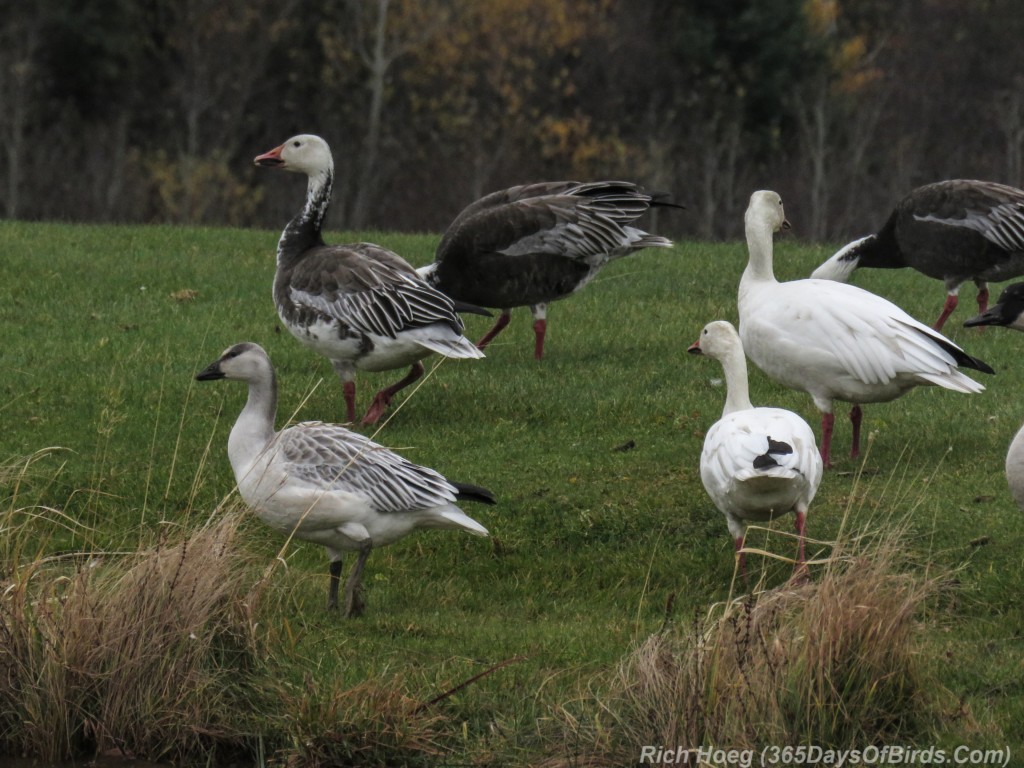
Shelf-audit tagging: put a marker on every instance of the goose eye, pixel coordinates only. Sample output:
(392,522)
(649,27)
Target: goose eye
(297,144)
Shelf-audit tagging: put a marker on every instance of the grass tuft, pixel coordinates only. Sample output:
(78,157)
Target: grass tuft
(136,654)
(835,662)
(373,723)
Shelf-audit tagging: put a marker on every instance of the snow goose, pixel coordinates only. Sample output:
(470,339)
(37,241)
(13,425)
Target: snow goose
(757,463)
(325,484)
(533,244)
(359,305)
(836,341)
(1015,468)
(1008,311)
(954,231)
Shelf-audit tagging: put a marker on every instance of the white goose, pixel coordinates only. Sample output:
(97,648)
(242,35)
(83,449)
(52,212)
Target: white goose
(325,484)
(1015,468)
(836,341)
(359,305)
(757,463)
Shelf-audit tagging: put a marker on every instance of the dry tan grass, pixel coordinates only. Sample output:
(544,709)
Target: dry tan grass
(375,723)
(836,662)
(138,654)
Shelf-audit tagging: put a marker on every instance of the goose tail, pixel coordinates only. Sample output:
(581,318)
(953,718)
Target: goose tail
(458,347)
(455,518)
(843,262)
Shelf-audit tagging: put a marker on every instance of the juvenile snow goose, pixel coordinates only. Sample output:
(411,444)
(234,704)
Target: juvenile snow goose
(954,231)
(359,305)
(836,341)
(1008,311)
(533,244)
(325,484)
(757,463)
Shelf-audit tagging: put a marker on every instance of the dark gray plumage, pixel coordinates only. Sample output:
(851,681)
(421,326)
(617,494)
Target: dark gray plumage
(1007,312)
(533,244)
(954,231)
(360,305)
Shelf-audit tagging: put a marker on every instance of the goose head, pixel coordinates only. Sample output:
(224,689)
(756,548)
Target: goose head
(241,362)
(718,340)
(304,153)
(765,211)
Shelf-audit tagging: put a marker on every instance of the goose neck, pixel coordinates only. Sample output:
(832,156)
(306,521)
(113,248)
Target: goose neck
(737,388)
(759,246)
(254,428)
(304,231)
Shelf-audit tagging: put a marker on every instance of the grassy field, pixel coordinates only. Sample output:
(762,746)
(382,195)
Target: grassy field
(593,454)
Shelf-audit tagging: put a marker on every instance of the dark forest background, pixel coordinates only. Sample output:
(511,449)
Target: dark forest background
(152,110)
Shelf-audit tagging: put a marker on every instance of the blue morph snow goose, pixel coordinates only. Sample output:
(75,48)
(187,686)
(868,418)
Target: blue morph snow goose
(954,231)
(1007,312)
(359,305)
(533,244)
(836,341)
(757,463)
(325,484)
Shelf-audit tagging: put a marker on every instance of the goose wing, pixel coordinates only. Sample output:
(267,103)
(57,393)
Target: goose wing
(328,458)
(579,221)
(995,211)
(762,441)
(371,289)
(844,330)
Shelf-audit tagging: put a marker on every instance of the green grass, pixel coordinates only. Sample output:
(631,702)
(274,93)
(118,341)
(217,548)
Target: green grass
(588,543)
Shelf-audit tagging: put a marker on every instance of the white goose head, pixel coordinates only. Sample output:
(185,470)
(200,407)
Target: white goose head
(719,340)
(246,362)
(765,211)
(304,153)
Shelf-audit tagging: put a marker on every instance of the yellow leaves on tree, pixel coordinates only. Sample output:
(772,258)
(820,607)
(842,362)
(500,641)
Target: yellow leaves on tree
(848,56)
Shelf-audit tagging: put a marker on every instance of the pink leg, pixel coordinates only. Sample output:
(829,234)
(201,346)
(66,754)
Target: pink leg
(743,557)
(855,416)
(947,310)
(828,421)
(499,326)
(800,571)
(383,398)
(801,527)
(982,301)
(349,388)
(540,327)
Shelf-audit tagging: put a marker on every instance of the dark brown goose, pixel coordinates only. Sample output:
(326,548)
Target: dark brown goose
(954,231)
(359,305)
(533,244)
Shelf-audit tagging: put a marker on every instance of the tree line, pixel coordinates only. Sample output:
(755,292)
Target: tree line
(129,111)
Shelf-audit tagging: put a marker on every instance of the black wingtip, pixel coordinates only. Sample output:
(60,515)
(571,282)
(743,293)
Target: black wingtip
(962,358)
(776,448)
(978,365)
(661,200)
(468,492)
(462,307)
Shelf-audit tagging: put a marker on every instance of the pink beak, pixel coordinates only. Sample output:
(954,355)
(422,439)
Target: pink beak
(271,159)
